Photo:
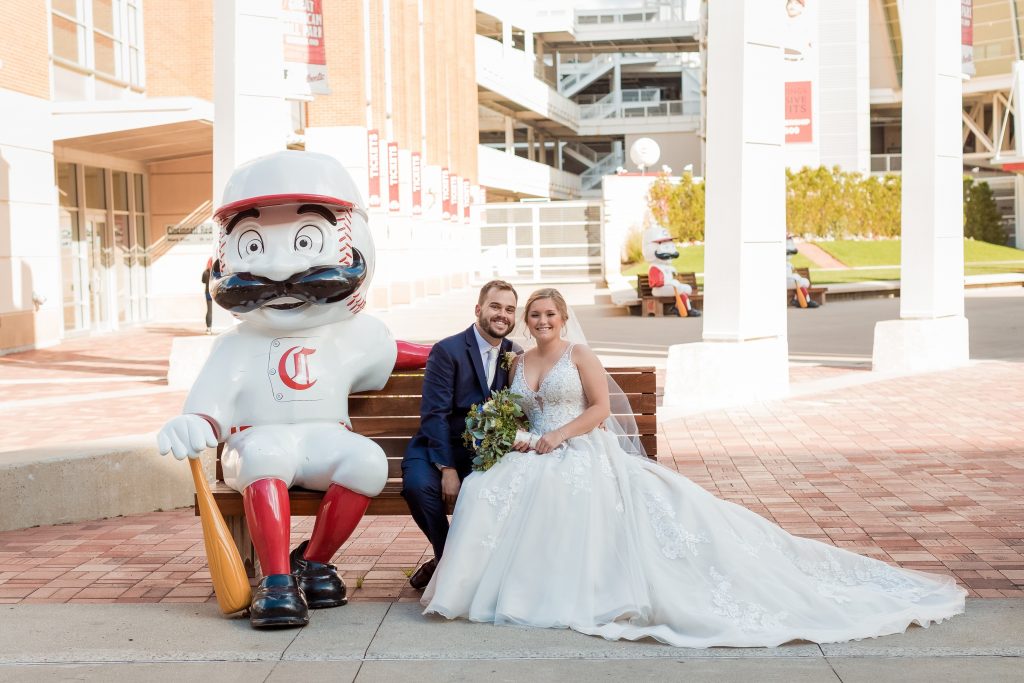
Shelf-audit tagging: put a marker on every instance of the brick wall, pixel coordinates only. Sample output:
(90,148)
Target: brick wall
(449,70)
(24,47)
(179,48)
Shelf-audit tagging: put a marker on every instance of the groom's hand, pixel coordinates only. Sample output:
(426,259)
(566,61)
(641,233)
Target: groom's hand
(450,486)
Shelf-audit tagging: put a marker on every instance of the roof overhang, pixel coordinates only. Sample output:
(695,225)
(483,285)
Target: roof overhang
(145,130)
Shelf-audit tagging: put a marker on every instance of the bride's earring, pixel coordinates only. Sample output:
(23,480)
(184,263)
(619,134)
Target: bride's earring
(565,331)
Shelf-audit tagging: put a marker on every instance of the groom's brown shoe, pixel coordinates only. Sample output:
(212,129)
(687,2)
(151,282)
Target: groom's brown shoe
(422,576)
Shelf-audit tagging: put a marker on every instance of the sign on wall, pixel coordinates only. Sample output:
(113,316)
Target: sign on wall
(800,70)
(305,53)
(799,120)
(417,185)
(201,233)
(453,193)
(446,197)
(373,167)
(967,37)
(394,204)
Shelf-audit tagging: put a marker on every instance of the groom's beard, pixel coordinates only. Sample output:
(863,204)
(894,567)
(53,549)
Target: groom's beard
(485,325)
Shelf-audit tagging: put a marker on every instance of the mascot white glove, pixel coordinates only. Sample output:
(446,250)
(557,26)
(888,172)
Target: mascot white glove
(186,435)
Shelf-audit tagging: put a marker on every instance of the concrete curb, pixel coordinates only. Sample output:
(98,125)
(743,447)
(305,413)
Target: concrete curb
(80,482)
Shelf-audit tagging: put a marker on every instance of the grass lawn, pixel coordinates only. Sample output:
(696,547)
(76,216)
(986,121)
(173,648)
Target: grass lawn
(691,260)
(981,257)
(887,252)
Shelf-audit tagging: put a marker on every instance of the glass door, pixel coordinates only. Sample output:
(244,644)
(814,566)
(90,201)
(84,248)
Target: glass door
(74,257)
(95,241)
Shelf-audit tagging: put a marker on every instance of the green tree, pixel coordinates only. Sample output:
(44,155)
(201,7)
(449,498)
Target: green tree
(679,206)
(981,215)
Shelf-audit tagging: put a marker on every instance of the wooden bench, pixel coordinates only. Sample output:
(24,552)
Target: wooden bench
(391,417)
(818,294)
(655,305)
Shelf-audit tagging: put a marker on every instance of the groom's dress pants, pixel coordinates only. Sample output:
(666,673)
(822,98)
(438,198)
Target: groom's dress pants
(421,488)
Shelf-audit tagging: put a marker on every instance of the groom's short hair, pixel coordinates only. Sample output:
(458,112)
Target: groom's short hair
(495,284)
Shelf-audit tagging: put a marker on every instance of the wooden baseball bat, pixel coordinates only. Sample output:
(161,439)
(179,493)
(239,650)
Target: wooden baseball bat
(230,584)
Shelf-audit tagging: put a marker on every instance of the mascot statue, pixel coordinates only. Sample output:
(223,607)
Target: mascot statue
(294,260)
(802,297)
(659,251)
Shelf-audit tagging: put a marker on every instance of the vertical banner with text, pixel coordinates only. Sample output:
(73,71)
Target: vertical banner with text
(446,197)
(417,185)
(305,54)
(453,193)
(800,73)
(967,37)
(373,167)
(466,202)
(394,204)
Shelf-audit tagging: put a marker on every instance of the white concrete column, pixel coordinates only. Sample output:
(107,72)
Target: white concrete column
(250,113)
(506,36)
(744,355)
(932,332)
(510,136)
(1018,210)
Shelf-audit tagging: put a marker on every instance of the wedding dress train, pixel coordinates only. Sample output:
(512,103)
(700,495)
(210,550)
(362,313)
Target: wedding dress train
(594,539)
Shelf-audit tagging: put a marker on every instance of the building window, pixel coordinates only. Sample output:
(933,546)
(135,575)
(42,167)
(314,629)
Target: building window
(100,38)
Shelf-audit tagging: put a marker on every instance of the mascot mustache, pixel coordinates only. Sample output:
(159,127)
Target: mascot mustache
(244,292)
(665,255)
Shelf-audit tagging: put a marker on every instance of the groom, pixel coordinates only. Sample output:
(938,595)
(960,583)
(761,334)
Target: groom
(462,370)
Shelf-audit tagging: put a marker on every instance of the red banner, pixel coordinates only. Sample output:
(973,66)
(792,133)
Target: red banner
(446,197)
(417,185)
(465,193)
(393,201)
(967,37)
(798,112)
(373,166)
(453,192)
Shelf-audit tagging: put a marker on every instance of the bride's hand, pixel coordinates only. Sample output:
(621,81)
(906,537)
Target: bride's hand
(524,441)
(549,442)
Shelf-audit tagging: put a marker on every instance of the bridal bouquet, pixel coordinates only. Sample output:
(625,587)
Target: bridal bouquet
(493,426)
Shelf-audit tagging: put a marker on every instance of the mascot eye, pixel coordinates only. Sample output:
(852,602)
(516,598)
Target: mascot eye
(309,239)
(250,243)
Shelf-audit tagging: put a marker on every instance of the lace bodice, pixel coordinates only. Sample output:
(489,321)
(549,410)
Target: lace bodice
(558,400)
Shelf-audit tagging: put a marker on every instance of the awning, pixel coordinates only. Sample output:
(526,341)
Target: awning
(146,130)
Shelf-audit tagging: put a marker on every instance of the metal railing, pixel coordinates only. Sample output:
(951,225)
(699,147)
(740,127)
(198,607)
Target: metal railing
(633,103)
(582,74)
(591,178)
(645,11)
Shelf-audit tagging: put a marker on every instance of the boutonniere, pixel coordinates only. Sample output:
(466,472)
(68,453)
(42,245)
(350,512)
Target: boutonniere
(507,358)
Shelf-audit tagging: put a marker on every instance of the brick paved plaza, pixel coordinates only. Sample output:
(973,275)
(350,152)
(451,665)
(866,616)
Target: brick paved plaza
(924,471)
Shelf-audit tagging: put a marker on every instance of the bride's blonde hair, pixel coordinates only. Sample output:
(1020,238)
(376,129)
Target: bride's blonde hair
(548,293)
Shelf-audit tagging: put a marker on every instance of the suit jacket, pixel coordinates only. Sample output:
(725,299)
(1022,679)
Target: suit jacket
(454,380)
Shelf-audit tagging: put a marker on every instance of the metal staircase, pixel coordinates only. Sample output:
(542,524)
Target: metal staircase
(591,178)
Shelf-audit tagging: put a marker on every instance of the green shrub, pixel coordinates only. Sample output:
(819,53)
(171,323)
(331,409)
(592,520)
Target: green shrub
(981,215)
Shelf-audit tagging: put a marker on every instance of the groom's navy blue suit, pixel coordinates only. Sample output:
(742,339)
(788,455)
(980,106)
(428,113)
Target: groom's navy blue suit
(454,380)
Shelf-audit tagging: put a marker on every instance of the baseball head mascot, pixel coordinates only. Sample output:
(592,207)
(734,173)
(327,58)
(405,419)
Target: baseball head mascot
(293,264)
(799,285)
(659,251)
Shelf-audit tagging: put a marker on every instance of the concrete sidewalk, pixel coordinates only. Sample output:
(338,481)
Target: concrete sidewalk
(394,642)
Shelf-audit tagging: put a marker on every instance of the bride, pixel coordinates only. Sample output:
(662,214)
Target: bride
(579,532)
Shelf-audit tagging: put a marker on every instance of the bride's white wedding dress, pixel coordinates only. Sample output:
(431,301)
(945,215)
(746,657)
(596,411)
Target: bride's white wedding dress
(594,539)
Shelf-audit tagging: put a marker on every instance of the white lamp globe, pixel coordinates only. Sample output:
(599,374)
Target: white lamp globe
(645,152)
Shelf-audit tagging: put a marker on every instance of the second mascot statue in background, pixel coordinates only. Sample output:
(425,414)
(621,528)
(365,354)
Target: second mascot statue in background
(293,263)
